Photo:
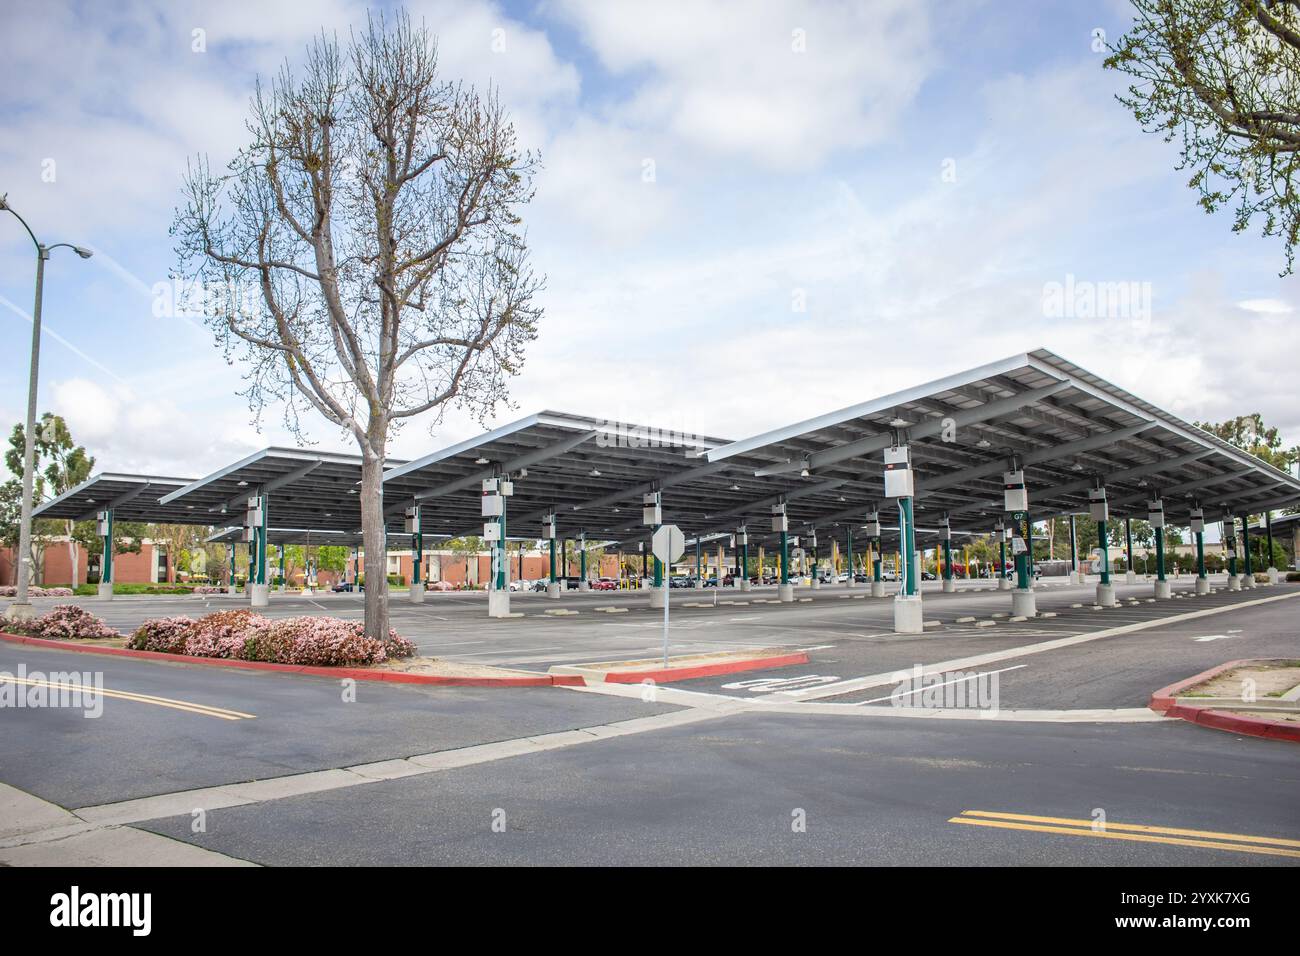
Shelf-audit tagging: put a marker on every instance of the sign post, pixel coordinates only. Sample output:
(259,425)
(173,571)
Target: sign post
(668,544)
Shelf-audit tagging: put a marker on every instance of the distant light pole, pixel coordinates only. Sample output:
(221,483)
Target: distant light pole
(21,609)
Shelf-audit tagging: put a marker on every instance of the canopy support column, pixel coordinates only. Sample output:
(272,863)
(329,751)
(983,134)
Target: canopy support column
(1268,539)
(1248,575)
(106,556)
(1230,544)
(1130,574)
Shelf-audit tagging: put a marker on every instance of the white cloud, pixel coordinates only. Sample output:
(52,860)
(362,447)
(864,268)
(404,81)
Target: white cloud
(784,84)
(1266,306)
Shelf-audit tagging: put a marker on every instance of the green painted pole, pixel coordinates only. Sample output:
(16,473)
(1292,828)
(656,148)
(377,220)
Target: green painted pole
(1074,547)
(1200,555)
(1160,553)
(698,579)
(877,560)
(503,556)
(552,560)
(417,548)
(947,559)
(1128,544)
(785,557)
(1105,552)
(261,540)
(582,558)
(1029,545)
(1245,540)
(907,541)
(1268,531)
(106,561)
(1230,541)
(849,549)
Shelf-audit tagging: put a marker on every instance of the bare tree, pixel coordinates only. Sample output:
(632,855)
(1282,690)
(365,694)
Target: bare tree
(374,217)
(1224,76)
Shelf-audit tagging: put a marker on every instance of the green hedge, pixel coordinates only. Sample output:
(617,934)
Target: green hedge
(86,590)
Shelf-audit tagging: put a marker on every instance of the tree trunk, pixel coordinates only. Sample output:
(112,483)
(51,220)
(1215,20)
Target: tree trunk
(372,540)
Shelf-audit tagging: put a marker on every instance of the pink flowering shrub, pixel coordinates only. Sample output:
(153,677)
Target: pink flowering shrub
(68,621)
(241,634)
(209,589)
(10,590)
(164,634)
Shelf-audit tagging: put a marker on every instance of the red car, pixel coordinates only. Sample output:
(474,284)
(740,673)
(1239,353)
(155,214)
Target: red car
(604,584)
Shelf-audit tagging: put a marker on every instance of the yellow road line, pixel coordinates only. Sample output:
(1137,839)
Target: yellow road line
(187,706)
(1131,837)
(1136,828)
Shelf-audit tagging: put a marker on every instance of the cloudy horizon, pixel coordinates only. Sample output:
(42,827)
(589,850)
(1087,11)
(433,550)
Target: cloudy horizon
(744,221)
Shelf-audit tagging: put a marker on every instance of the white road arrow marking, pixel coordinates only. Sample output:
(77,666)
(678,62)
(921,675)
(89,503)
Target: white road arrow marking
(1212,637)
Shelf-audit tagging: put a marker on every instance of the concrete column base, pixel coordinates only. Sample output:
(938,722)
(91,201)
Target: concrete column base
(1130,577)
(785,593)
(1004,584)
(1247,580)
(283,589)
(416,595)
(745,584)
(850,583)
(1273,576)
(1024,602)
(1234,582)
(20,612)
(949,586)
(877,588)
(259,595)
(105,591)
(816,584)
(699,584)
(584,585)
(1076,577)
(1106,595)
(1202,585)
(1164,590)
(498,603)
(657,596)
(552,589)
(908,617)
(645,585)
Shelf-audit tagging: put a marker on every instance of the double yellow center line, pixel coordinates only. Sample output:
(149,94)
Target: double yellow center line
(89,689)
(1135,832)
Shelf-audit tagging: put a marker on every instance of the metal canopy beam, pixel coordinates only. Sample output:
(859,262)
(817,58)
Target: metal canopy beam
(926,429)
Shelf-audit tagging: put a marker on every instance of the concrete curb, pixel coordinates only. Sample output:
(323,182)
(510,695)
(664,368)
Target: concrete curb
(670,674)
(355,673)
(1237,723)
(1167,697)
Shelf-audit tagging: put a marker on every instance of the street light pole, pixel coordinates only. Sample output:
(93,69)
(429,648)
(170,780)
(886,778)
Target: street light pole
(21,608)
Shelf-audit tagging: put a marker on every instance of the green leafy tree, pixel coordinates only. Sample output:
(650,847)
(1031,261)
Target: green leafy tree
(1223,77)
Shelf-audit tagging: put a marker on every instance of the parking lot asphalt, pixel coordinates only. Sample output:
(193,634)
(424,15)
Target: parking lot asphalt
(872,786)
(295,724)
(765,789)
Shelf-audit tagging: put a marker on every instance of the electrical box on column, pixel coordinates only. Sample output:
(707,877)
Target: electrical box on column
(898,472)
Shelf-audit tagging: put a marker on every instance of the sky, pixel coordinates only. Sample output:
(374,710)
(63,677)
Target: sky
(748,213)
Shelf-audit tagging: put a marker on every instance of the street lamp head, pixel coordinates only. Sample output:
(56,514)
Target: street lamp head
(84,253)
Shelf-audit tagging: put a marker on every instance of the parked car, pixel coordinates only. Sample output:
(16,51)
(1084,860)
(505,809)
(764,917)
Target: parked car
(928,576)
(346,586)
(604,584)
(680,581)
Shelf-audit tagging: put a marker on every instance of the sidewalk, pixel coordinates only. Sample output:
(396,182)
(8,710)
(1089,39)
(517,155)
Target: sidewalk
(34,832)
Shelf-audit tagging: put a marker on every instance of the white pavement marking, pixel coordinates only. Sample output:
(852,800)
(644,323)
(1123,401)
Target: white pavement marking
(979,660)
(955,680)
(278,788)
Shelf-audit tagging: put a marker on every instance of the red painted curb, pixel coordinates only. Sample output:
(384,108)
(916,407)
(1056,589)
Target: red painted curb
(356,673)
(665,676)
(1237,723)
(1166,697)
